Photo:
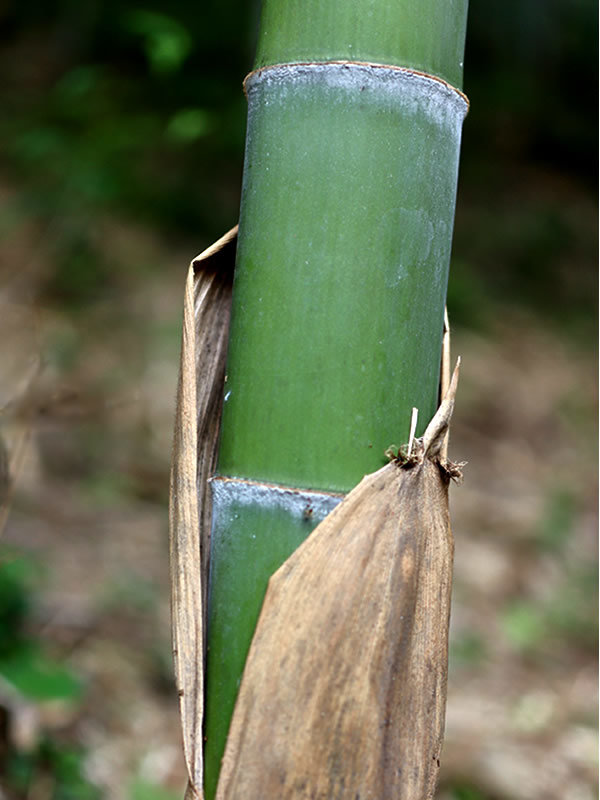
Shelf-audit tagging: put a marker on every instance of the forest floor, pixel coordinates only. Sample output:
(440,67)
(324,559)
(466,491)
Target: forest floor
(87,421)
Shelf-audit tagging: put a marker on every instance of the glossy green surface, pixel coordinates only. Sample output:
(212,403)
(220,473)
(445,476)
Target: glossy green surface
(341,276)
(428,35)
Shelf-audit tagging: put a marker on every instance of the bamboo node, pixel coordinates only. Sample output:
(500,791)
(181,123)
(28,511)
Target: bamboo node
(346,64)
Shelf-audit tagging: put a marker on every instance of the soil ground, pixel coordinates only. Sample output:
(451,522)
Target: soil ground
(87,421)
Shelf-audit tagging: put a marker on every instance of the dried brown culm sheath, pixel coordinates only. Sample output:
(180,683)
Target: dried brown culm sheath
(344,690)
(206,314)
(213,281)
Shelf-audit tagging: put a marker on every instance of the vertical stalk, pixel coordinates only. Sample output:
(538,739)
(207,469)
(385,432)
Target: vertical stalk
(344,245)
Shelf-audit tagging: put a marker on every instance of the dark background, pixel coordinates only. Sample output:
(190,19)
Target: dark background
(122,129)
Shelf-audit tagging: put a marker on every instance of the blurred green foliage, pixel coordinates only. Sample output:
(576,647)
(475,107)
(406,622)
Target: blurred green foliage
(37,676)
(557,522)
(466,791)
(143,790)
(524,625)
(535,628)
(137,109)
(166,41)
(23,662)
(467,649)
(104,101)
(526,227)
(60,767)
(15,601)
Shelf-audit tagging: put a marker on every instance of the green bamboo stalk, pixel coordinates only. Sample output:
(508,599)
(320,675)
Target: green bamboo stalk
(427,35)
(344,244)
